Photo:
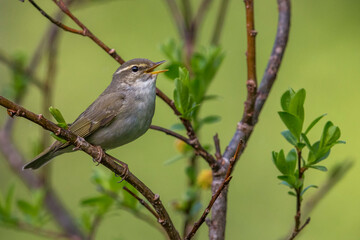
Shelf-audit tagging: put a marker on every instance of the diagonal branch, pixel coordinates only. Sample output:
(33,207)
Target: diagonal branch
(142,202)
(84,30)
(225,182)
(251,112)
(106,160)
(193,139)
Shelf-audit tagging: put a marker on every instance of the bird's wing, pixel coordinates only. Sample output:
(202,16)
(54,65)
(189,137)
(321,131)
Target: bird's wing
(99,114)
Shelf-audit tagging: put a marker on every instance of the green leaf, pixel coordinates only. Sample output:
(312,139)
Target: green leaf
(26,208)
(286,99)
(330,135)
(101,203)
(307,142)
(190,194)
(174,159)
(289,137)
(177,95)
(292,122)
(9,200)
(321,168)
(182,99)
(177,127)
(57,138)
(291,193)
(173,70)
(172,51)
(296,106)
(290,180)
(305,189)
(191,173)
(58,117)
(313,123)
(209,120)
(291,159)
(19,79)
(279,161)
(317,154)
(211,97)
(195,208)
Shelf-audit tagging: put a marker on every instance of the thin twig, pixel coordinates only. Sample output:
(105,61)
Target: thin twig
(217,147)
(94,226)
(295,233)
(178,17)
(171,133)
(208,208)
(106,160)
(187,12)
(216,195)
(42,232)
(199,17)
(84,30)
(142,202)
(15,66)
(251,82)
(193,139)
(220,22)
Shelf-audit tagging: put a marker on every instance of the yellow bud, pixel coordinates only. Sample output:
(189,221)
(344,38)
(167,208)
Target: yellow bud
(180,145)
(204,179)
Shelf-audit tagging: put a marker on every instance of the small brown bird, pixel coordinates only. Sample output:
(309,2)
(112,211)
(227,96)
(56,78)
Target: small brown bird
(121,114)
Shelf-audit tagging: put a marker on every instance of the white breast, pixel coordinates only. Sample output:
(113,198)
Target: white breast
(133,123)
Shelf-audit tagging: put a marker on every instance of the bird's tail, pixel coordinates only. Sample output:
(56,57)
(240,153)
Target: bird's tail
(44,157)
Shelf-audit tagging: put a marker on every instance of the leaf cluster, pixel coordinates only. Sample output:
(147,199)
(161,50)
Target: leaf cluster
(31,211)
(293,116)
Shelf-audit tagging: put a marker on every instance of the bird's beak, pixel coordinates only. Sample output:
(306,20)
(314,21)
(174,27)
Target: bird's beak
(150,70)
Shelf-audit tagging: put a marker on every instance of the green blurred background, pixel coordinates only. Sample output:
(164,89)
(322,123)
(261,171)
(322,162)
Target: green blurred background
(323,56)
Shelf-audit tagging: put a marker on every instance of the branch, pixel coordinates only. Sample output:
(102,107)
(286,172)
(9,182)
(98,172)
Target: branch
(276,57)
(203,8)
(295,233)
(106,160)
(193,139)
(251,82)
(171,133)
(219,22)
(178,17)
(246,125)
(226,181)
(84,30)
(142,202)
(217,147)
(15,66)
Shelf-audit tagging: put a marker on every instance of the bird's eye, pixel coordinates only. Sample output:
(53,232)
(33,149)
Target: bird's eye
(135,68)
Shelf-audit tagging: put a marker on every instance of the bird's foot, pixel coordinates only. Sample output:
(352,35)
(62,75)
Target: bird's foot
(101,155)
(125,172)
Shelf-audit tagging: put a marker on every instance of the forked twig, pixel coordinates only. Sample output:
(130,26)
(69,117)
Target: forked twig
(226,181)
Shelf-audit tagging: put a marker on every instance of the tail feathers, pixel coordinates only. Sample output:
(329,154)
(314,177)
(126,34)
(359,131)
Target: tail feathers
(42,159)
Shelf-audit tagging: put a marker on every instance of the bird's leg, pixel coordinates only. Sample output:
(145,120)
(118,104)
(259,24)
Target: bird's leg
(101,155)
(126,169)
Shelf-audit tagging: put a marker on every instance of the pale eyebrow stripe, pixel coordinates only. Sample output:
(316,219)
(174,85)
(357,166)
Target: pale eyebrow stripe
(139,65)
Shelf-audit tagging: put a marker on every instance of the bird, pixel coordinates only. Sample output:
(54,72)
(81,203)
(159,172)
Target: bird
(122,113)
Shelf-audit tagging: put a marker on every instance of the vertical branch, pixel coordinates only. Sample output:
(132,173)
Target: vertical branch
(219,22)
(178,17)
(251,82)
(246,126)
